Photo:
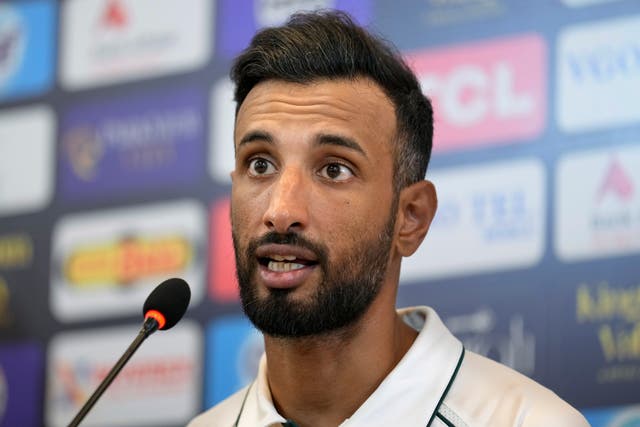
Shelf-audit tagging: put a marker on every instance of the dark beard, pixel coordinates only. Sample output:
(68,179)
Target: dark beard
(346,289)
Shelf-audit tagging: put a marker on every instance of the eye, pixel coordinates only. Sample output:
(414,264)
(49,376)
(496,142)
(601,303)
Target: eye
(336,172)
(260,167)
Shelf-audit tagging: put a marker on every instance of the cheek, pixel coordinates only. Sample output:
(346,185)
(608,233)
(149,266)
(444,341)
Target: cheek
(241,215)
(246,198)
(347,219)
(368,216)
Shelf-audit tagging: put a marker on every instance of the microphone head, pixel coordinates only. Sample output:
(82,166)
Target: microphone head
(170,299)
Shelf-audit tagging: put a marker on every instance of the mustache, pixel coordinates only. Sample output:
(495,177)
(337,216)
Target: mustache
(290,238)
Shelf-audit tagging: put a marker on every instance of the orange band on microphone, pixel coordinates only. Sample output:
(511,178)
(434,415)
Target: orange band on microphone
(154,314)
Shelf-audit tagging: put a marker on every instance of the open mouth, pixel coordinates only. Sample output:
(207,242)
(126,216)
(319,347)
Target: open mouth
(284,263)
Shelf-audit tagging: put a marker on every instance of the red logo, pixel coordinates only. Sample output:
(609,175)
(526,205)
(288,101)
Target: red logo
(223,284)
(617,182)
(114,15)
(485,93)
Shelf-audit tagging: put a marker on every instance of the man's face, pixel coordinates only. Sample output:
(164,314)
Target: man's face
(313,207)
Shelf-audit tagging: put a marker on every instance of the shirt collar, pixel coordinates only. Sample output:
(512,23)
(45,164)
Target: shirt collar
(409,395)
(260,396)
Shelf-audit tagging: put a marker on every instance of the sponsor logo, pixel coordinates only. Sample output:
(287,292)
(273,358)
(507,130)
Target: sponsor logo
(128,260)
(598,71)
(485,222)
(234,348)
(485,93)
(478,332)
(12,41)
(446,12)
(223,283)
(106,263)
(161,381)
(114,16)
(222,153)
(84,150)
(614,314)
(147,142)
(598,204)
(16,251)
(109,41)
(26,165)
(27,48)
(604,303)
(616,183)
(21,371)
(240,19)
(6,316)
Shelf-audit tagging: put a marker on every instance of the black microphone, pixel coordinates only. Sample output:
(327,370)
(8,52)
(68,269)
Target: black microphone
(164,307)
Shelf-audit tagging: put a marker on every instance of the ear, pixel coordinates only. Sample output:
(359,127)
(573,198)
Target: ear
(417,206)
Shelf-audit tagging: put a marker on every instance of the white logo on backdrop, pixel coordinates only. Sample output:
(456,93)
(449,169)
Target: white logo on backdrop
(106,263)
(109,41)
(491,217)
(598,70)
(221,152)
(598,203)
(26,159)
(516,348)
(160,385)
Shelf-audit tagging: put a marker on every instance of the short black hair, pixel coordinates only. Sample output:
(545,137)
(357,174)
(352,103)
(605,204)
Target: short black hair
(313,46)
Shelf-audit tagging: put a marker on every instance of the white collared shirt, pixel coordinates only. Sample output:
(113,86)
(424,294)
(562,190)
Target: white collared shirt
(434,384)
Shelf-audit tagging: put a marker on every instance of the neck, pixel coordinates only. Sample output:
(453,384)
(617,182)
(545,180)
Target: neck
(321,381)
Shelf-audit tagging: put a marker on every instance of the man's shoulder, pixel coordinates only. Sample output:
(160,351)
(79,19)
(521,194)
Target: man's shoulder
(224,414)
(493,393)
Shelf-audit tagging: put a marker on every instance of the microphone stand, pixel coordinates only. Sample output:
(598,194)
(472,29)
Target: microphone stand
(149,326)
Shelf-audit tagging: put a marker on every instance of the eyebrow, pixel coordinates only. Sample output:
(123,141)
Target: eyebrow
(322,139)
(341,141)
(255,136)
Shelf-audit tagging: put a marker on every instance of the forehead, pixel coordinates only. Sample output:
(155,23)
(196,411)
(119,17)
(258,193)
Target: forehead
(357,106)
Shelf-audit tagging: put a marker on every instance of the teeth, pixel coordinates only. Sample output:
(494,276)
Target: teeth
(283,257)
(284,266)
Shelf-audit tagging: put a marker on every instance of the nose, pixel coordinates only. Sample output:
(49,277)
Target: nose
(288,203)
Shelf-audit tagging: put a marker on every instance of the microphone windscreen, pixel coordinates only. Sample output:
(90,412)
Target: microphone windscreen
(171,298)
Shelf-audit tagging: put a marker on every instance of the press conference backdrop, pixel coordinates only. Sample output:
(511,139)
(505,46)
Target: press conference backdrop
(115,146)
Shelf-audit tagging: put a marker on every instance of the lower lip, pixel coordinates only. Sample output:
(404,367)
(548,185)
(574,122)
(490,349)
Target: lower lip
(285,279)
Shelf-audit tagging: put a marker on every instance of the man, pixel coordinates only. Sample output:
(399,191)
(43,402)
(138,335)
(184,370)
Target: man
(332,141)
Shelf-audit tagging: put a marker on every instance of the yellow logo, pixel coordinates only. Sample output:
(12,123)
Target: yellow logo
(84,152)
(606,303)
(5,298)
(127,261)
(16,250)
(616,311)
